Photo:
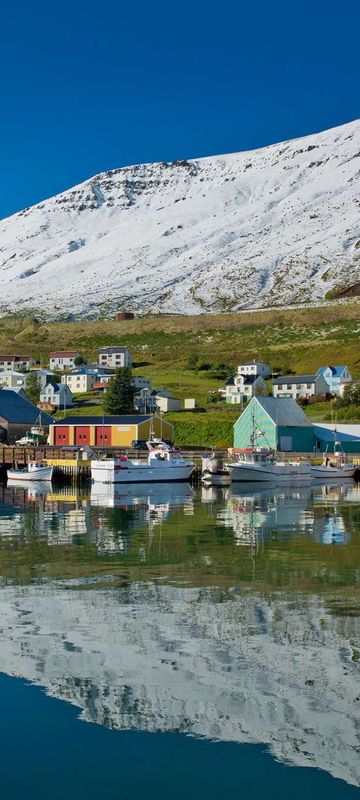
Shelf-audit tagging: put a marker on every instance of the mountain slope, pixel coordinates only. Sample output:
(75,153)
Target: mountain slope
(273,226)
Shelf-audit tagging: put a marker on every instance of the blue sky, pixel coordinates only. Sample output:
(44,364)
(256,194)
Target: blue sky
(87,87)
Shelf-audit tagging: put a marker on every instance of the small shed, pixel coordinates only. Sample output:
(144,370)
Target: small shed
(124,315)
(276,423)
(190,403)
(166,404)
(347,435)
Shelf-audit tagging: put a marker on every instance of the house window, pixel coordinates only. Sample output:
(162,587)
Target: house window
(289,386)
(280,386)
(298,385)
(309,385)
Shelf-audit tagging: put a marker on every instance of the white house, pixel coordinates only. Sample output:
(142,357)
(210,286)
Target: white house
(145,401)
(254,368)
(243,387)
(80,380)
(63,359)
(336,378)
(15,363)
(11,379)
(115,357)
(57,394)
(296,386)
(148,400)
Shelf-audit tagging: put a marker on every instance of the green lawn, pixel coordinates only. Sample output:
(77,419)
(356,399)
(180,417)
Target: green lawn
(298,340)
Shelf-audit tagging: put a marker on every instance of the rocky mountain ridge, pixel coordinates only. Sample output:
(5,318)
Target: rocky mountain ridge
(270,227)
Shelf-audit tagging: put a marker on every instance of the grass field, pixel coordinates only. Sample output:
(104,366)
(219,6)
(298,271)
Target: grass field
(298,340)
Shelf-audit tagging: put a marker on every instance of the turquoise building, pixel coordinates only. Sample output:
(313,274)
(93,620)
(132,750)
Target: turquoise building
(347,437)
(274,422)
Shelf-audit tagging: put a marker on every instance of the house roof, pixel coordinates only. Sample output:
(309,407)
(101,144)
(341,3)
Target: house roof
(114,349)
(249,379)
(17,389)
(121,419)
(14,357)
(284,411)
(295,379)
(82,371)
(344,433)
(64,354)
(336,371)
(57,387)
(253,363)
(230,382)
(17,409)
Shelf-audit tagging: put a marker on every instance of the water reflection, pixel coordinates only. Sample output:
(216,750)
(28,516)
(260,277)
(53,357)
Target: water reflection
(184,629)
(254,512)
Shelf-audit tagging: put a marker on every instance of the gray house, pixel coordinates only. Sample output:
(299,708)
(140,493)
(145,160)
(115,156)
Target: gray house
(57,394)
(296,386)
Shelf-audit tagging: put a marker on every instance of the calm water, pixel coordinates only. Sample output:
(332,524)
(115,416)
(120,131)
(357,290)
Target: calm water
(211,637)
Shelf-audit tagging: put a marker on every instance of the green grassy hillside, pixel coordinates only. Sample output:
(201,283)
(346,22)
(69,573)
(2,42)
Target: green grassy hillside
(297,340)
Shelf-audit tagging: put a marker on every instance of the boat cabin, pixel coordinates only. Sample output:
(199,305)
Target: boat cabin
(257,455)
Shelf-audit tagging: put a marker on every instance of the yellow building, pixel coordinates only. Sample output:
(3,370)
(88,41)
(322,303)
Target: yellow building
(108,431)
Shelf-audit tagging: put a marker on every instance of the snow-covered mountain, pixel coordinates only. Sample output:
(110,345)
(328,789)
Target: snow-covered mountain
(275,226)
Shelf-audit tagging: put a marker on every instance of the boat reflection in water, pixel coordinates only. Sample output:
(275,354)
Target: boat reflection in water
(254,512)
(114,495)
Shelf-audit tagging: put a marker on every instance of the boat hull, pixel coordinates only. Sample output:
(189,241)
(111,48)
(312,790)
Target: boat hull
(274,472)
(347,471)
(216,478)
(142,473)
(44,474)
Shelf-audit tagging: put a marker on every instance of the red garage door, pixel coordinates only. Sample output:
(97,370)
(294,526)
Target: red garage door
(103,435)
(82,435)
(61,436)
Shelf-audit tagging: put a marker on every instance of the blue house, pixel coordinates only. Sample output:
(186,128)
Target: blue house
(275,422)
(336,378)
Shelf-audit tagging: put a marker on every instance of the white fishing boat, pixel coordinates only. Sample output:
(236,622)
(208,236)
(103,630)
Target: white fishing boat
(34,471)
(213,472)
(260,464)
(162,464)
(334,466)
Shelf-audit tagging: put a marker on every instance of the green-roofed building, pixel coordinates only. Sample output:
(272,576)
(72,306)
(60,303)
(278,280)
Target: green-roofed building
(274,422)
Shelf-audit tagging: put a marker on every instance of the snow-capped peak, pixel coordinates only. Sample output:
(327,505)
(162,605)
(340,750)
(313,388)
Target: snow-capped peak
(267,227)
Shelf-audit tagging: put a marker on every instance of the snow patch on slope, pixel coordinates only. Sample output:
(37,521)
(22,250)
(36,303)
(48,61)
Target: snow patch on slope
(269,227)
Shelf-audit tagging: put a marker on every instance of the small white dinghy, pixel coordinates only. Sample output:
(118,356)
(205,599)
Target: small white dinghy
(34,471)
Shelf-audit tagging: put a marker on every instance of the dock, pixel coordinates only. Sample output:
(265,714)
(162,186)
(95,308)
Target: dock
(71,466)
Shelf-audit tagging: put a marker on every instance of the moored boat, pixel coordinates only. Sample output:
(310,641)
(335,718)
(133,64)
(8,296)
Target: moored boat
(334,467)
(335,464)
(162,464)
(34,471)
(213,472)
(260,464)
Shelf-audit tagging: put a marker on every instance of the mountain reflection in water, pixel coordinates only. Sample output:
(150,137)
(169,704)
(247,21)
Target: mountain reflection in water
(142,609)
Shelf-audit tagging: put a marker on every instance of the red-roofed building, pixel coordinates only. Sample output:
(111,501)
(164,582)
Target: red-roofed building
(63,359)
(15,362)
